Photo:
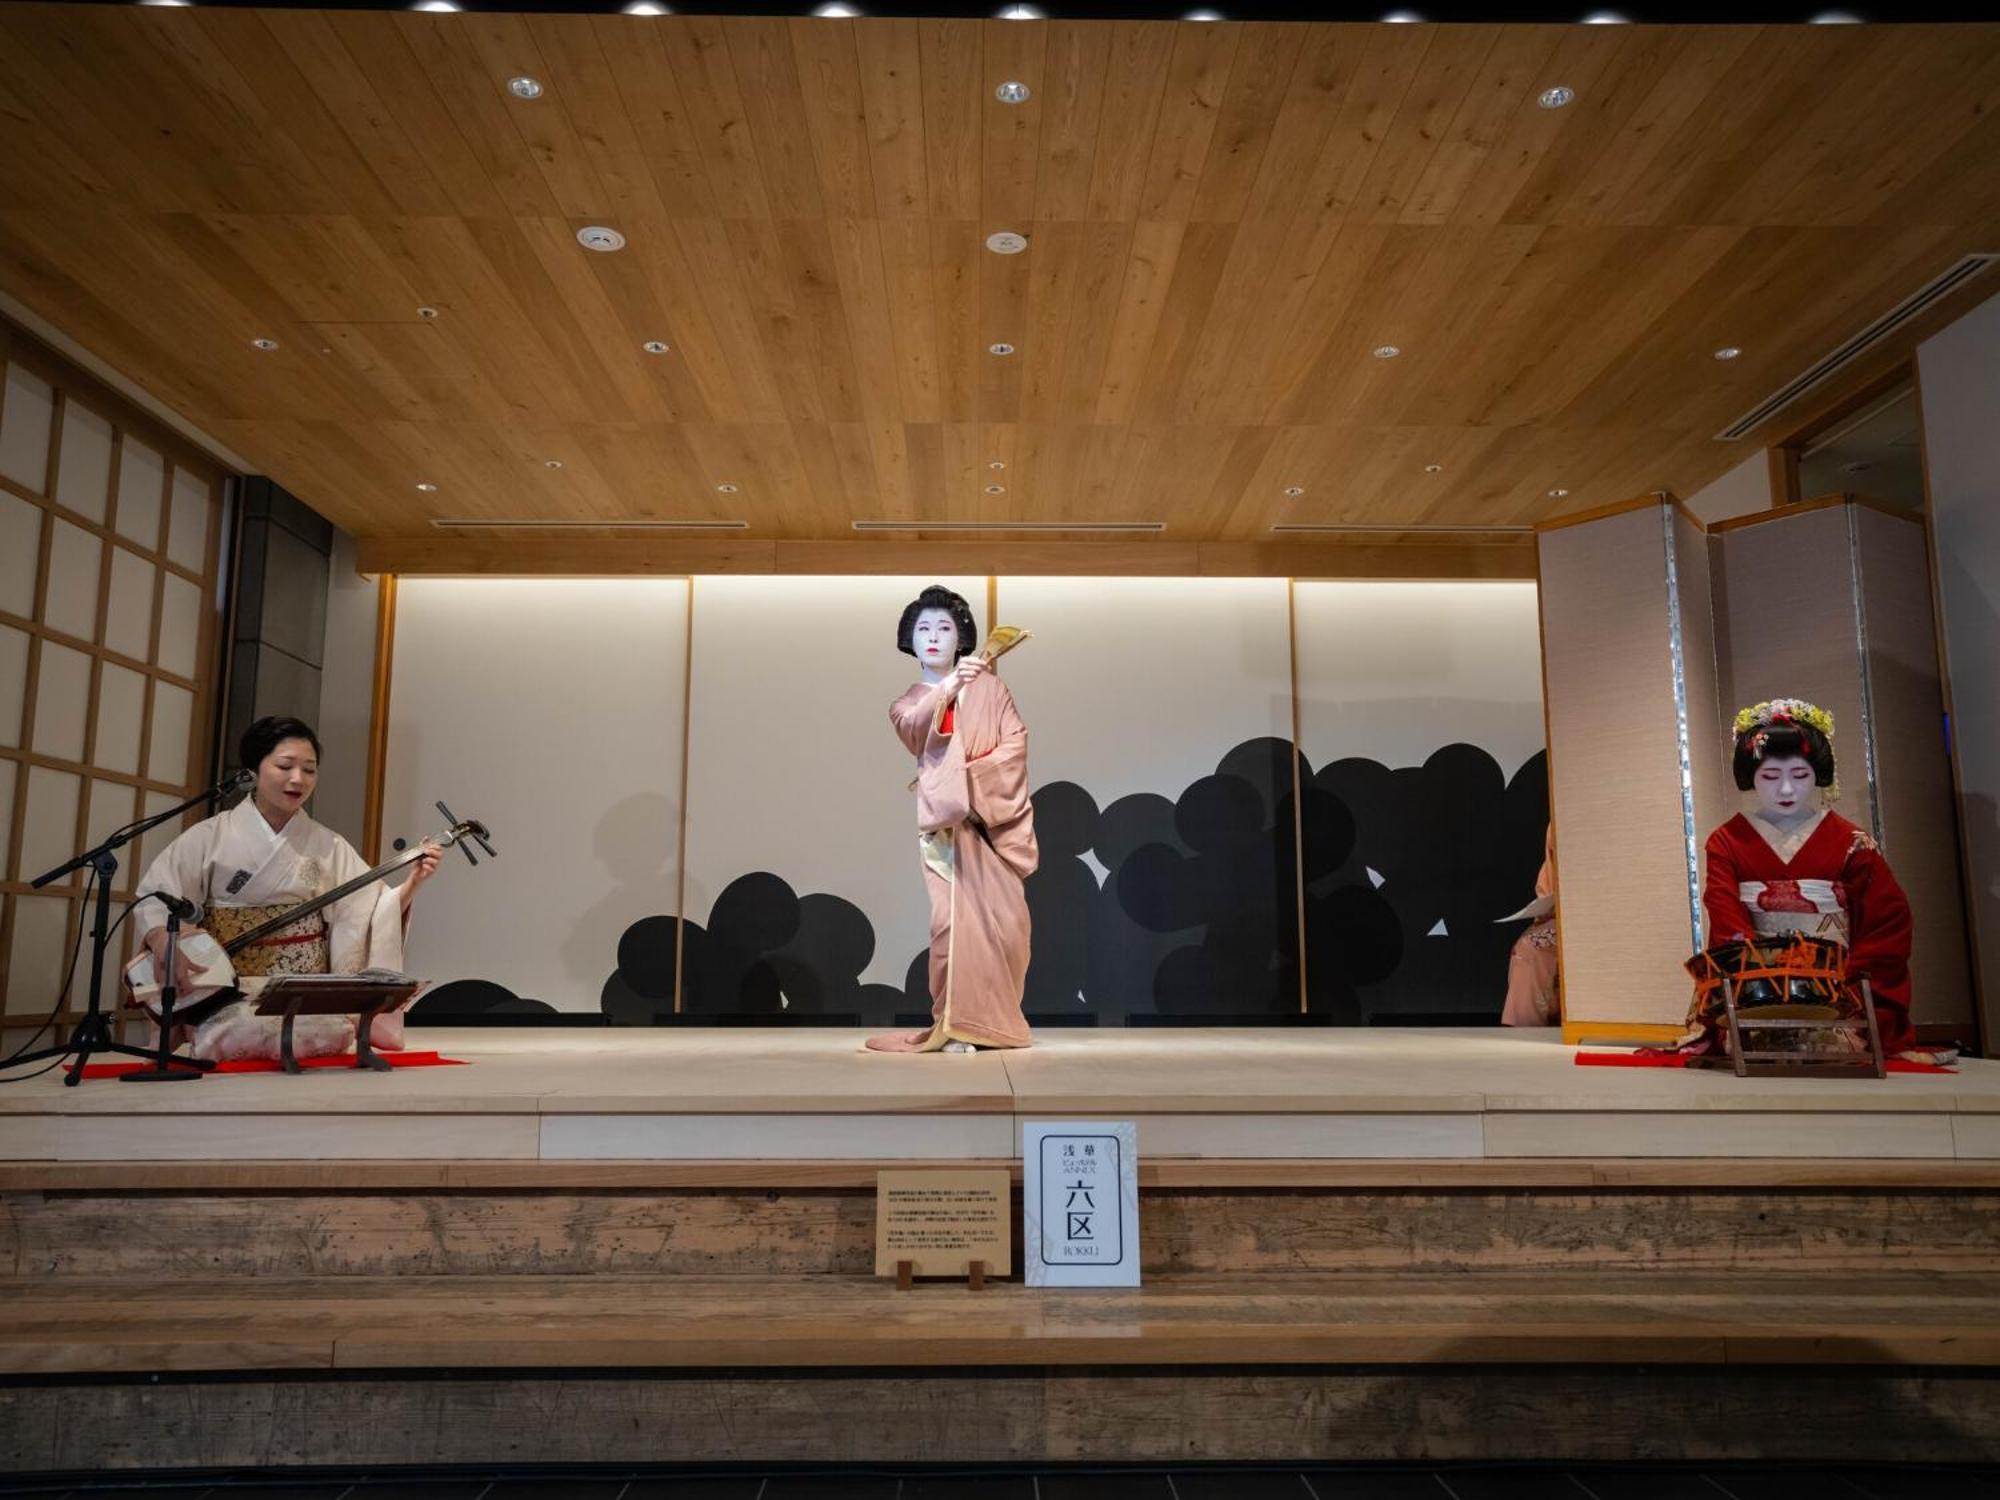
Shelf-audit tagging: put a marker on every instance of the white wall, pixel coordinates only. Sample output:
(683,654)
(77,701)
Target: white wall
(1744,489)
(1959,383)
(550,709)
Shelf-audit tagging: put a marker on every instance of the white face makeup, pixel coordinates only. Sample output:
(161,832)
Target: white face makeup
(1784,789)
(935,639)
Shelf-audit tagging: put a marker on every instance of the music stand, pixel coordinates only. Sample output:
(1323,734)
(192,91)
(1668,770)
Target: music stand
(358,995)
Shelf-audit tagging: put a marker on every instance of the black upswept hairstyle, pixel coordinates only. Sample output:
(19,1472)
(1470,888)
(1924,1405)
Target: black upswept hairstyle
(1782,742)
(264,736)
(937,596)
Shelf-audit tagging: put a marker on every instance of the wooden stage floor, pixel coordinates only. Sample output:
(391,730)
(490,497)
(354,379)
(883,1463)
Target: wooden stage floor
(814,1096)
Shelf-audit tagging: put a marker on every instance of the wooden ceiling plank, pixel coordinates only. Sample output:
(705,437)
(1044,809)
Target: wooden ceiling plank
(1142,301)
(479,108)
(731,355)
(1251,280)
(503,47)
(1054,279)
(698,52)
(767,81)
(832,503)
(909,285)
(889,55)
(1260,78)
(1103,256)
(1072,97)
(1451,66)
(951,95)
(782,338)
(584,318)
(1197,82)
(1010,134)
(1391,59)
(1135,79)
(811,266)
(870,324)
(591,127)
(1498,96)
(956,314)
(1329,56)
(648,92)
(830,88)
(1003,283)
(1278,322)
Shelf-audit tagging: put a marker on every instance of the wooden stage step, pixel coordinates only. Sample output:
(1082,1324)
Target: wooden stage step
(83,1326)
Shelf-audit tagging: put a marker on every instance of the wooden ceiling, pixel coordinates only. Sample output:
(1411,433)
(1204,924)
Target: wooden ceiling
(1223,220)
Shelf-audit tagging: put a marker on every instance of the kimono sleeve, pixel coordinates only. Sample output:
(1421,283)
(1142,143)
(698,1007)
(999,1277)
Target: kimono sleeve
(1000,776)
(913,718)
(180,869)
(1721,898)
(364,930)
(1880,930)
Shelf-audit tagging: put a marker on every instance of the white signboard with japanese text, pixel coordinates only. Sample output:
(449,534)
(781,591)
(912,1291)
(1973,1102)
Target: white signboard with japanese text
(1080,1202)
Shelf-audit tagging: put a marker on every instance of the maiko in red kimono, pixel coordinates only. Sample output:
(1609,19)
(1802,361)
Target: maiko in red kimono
(1826,879)
(976,839)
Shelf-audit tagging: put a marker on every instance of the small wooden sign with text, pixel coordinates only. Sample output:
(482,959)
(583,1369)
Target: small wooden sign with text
(943,1221)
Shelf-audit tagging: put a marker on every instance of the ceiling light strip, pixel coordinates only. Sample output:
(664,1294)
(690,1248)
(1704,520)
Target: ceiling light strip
(1099,526)
(465,523)
(1910,307)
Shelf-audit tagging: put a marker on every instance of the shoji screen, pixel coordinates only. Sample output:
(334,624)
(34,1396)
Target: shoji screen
(109,543)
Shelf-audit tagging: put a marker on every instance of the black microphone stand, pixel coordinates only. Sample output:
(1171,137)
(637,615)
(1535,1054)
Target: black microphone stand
(93,1032)
(166,1067)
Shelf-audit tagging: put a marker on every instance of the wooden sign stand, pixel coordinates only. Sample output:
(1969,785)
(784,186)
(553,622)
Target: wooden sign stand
(906,1275)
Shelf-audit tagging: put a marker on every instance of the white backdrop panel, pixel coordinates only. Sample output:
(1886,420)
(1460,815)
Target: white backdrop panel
(551,710)
(793,767)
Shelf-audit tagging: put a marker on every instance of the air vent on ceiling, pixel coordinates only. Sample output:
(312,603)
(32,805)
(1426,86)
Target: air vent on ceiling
(448,523)
(1118,526)
(1912,306)
(1337,528)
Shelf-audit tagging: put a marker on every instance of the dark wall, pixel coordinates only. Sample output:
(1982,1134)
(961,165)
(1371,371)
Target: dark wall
(278,634)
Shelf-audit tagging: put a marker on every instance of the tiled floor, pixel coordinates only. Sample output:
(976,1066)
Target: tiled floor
(1220,1482)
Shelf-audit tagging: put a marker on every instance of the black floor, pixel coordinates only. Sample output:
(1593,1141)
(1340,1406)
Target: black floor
(1221,1482)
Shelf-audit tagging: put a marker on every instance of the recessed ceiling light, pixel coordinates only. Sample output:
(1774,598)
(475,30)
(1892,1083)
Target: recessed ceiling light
(1606,18)
(552,463)
(1012,92)
(428,489)
(428,314)
(1433,468)
(996,466)
(1854,468)
(1021,13)
(267,345)
(654,346)
(725,489)
(1006,242)
(999,348)
(1386,351)
(835,10)
(996,489)
(1727,351)
(1836,18)
(597,237)
(647,8)
(176,4)
(525,87)
(1557,494)
(1202,15)
(1295,490)
(438,7)
(1556,97)
(1402,17)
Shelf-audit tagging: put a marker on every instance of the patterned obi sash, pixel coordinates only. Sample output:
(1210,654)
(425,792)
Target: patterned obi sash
(296,948)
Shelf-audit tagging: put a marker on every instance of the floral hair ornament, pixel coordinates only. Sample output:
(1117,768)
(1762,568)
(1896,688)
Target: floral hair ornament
(1758,720)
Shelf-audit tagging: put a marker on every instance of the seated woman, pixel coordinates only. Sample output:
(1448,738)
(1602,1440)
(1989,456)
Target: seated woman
(255,862)
(1791,865)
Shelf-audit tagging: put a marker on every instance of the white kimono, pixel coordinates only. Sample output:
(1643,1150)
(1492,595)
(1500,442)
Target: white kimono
(236,859)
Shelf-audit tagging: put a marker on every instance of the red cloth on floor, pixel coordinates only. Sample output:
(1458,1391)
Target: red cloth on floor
(272,1065)
(1681,1060)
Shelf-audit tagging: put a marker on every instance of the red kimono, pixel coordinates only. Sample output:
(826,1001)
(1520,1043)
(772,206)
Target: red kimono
(1835,885)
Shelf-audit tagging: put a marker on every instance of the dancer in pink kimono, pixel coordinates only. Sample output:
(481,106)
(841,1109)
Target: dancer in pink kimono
(975,831)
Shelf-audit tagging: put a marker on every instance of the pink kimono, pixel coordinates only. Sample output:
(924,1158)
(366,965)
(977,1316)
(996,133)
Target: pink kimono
(976,837)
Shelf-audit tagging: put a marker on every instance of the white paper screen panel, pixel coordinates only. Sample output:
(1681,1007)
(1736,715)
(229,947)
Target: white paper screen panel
(142,480)
(20,554)
(62,702)
(13,683)
(83,473)
(551,710)
(27,413)
(76,558)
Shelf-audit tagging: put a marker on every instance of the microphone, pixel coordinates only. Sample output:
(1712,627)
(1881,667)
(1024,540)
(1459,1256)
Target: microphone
(178,905)
(233,781)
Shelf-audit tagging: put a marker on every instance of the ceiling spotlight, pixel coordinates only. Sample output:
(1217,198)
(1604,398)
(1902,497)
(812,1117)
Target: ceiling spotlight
(725,489)
(1402,17)
(428,489)
(1557,494)
(654,346)
(597,237)
(1556,97)
(996,466)
(438,7)
(1836,18)
(1295,490)
(176,4)
(1202,15)
(1006,242)
(1728,351)
(835,10)
(1021,13)
(996,489)
(267,345)
(999,348)
(647,8)
(1012,92)
(1387,351)
(525,87)
(552,463)
(428,314)
(1433,468)
(1606,18)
